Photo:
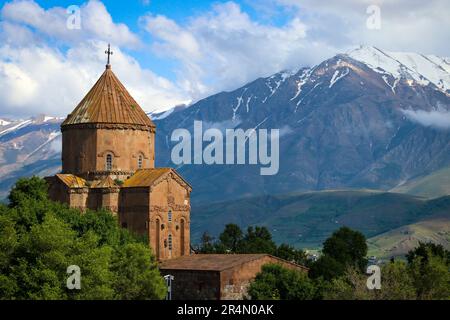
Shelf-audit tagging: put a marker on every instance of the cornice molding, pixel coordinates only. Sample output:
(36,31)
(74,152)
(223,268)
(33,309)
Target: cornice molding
(104,190)
(173,207)
(109,126)
(107,173)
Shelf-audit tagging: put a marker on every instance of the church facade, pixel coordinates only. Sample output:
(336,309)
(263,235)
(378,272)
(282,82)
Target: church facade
(108,161)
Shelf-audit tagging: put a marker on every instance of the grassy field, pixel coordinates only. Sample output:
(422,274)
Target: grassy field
(399,241)
(436,184)
(307,219)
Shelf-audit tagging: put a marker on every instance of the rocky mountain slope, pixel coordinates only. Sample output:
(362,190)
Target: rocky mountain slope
(365,119)
(360,120)
(28,147)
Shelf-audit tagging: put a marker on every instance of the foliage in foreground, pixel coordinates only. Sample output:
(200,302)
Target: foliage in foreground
(39,239)
(255,240)
(340,274)
(345,248)
(275,282)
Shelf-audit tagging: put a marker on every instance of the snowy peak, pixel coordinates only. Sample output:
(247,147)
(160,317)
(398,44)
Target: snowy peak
(160,115)
(11,126)
(423,69)
(4,122)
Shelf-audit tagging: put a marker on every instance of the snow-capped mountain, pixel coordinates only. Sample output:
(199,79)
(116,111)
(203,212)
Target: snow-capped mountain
(28,147)
(4,122)
(419,68)
(364,119)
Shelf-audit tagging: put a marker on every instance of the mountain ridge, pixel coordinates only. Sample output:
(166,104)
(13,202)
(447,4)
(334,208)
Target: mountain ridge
(342,122)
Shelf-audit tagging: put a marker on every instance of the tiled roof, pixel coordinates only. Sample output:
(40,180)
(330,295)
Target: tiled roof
(209,262)
(107,182)
(145,177)
(71,180)
(108,102)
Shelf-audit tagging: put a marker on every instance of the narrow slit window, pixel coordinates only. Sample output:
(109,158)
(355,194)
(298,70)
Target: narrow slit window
(170,242)
(140,161)
(109,161)
(169,216)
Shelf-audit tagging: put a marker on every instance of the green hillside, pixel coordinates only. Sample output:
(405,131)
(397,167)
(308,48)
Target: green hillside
(436,184)
(399,241)
(307,219)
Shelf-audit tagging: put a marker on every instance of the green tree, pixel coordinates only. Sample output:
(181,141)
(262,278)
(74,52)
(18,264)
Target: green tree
(257,240)
(136,273)
(431,277)
(425,250)
(46,252)
(344,249)
(207,244)
(347,247)
(275,282)
(8,244)
(397,282)
(351,285)
(39,239)
(94,261)
(33,188)
(231,237)
(326,267)
(8,241)
(101,222)
(289,253)
(42,259)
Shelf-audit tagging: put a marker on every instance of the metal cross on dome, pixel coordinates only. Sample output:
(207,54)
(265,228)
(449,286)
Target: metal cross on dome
(109,53)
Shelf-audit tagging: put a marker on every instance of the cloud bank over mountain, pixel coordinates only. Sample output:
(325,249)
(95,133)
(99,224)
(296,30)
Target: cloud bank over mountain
(46,67)
(437,119)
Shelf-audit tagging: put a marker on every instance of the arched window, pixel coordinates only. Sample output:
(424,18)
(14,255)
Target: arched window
(169,216)
(170,242)
(140,161)
(109,162)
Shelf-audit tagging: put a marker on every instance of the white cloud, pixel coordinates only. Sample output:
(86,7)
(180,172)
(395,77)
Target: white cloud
(439,119)
(45,67)
(285,131)
(15,34)
(224,48)
(96,23)
(406,25)
(36,76)
(44,80)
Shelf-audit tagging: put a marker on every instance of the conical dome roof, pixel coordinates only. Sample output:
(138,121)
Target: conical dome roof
(108,102)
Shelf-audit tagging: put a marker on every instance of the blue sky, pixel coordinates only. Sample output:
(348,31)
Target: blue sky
(175,52)
(129,12)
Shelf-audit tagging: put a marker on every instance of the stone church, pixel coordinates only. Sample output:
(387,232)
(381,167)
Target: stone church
(108,161)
